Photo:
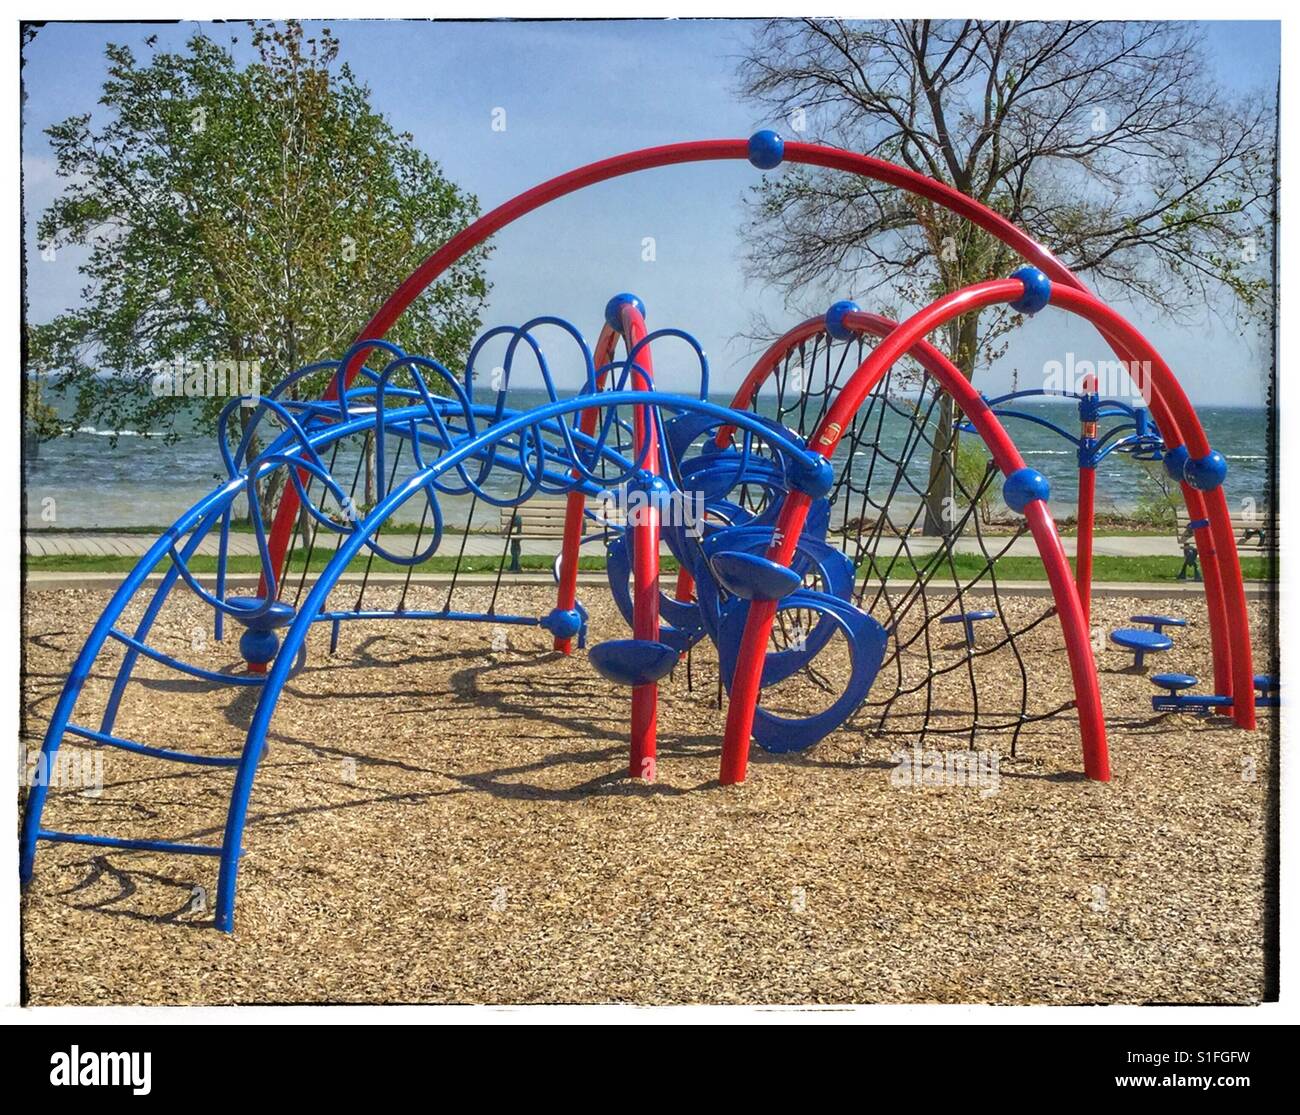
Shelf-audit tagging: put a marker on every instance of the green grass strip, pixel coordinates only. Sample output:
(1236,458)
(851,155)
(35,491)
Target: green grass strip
(1105,568)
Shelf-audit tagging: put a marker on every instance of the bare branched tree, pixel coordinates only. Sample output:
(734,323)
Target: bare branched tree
(1108,142)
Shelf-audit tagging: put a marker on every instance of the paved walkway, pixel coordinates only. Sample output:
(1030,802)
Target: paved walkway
(47,543)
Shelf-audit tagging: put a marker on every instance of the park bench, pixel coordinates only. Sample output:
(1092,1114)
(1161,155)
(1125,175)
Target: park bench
(543,517)
(1255,533)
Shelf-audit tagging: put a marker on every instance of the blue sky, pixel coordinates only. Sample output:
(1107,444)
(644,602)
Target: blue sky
(576,92)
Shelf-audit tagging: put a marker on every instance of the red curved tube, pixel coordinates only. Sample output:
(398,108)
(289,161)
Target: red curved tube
(898,341)
(1224,594)
(1083,538)
(1226,601)
(747,392)
(1213,585)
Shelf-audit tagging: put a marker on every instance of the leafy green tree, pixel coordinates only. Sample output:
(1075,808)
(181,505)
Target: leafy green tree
(251,214)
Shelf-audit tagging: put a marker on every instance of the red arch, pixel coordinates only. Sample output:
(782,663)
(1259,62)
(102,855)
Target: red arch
(1167,400)
(1224,589)
(1074,624)
(1177,422)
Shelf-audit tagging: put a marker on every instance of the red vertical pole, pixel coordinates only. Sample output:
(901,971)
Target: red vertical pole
(645,550)
(747,679)
(1083,548)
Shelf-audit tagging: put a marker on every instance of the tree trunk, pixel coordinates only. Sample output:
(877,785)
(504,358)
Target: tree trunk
(939,491)
(941,511)
(245,419)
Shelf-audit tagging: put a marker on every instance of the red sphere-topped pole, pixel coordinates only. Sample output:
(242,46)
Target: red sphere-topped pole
(627,313)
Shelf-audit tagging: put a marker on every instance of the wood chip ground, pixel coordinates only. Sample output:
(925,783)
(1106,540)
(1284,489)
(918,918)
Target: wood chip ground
(444,817)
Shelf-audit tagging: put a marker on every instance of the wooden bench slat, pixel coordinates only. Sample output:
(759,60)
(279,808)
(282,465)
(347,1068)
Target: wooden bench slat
(544,517)
(1252,532)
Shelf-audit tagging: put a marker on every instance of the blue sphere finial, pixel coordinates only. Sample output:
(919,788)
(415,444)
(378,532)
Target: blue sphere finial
(835,320)
(1206,473)
(614,309)
(766,149)
(1024,486)
(1038,290)
(258,646)
(563,624)
(1176,462)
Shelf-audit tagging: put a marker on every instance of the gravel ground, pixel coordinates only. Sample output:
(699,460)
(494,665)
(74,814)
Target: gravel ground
(443,816)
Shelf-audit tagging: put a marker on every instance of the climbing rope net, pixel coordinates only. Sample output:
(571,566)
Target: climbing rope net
(913,507)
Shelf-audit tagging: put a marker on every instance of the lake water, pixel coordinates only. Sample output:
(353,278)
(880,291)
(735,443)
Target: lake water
(143,481)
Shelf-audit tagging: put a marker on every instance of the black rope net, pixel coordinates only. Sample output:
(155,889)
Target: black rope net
(480,541)
(917,507)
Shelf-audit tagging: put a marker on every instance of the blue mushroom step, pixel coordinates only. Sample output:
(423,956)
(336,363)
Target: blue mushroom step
(1141,642)
(633,661)
(753,577)
(969,620)
(1159,623)
(1173,699)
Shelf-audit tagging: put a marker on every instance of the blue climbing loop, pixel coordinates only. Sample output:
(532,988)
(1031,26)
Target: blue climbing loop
(725,555)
